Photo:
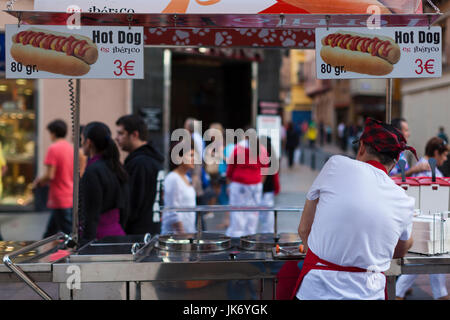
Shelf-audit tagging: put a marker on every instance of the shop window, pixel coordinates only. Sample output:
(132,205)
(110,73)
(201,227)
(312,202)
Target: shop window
(17,142)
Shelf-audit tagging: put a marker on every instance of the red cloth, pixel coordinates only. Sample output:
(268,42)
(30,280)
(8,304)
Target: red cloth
(286,277)
(244,167)
(60,156)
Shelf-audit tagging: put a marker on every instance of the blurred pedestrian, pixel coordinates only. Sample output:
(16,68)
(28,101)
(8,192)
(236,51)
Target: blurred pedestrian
(292,141)
(104,189)
(442,134)
(322,133)
(311,134)
(59,175)
(244,172)
(142,164)
(341,136)
(328,132)
(193,126)
(271,188)
(303,129)
(437,149)
(215,163)
(179,191)
(283,135)
(402,125)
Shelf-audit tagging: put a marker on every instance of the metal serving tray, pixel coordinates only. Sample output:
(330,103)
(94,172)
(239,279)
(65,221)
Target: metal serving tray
(288,253)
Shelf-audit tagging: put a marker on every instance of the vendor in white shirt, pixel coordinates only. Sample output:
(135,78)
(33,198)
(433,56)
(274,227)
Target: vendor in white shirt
(178,191)
(355,221)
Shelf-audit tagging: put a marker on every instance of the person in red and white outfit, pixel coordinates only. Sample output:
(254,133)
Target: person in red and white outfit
(355,221)
(245,172)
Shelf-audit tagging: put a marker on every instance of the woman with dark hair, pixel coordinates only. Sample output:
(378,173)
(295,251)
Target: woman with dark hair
(179,191)
(436,148)
(103,187)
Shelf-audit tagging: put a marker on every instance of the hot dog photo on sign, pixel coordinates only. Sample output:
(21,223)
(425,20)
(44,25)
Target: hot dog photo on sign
(56,52)
(361,53)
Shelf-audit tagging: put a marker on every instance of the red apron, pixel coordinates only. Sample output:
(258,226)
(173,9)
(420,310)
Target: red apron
(311,263)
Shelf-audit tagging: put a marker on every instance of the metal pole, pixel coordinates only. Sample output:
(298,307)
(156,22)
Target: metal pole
(199,225)
(388,101)
(275,225)
(166,105)
(76,163)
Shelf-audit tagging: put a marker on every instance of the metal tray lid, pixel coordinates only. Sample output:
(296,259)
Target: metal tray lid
(192,242)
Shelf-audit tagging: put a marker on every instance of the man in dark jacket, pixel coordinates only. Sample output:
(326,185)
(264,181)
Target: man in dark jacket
(142,164)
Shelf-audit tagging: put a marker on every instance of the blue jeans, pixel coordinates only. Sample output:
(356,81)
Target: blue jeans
(60,220)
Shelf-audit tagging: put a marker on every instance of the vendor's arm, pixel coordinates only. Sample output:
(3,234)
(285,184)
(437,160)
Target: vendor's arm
(402,248)
(312,199)
(304,228)
(405,241)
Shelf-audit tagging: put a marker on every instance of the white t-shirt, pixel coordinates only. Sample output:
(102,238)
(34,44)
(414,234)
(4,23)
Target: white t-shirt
(178,194)
(360,216)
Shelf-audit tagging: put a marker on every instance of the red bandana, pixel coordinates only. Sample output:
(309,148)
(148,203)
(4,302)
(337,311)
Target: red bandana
(385,138)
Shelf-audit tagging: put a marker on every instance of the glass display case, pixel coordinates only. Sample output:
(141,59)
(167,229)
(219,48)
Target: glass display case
(17,142)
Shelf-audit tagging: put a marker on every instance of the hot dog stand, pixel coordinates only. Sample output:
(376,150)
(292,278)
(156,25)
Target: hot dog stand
(204,265)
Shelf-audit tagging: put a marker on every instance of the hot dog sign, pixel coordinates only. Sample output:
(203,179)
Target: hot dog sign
(89,52)
(379,53)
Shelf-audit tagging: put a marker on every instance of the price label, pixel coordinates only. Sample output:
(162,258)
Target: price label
(89,52)
(127,67)
(353,53)
(427,67)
